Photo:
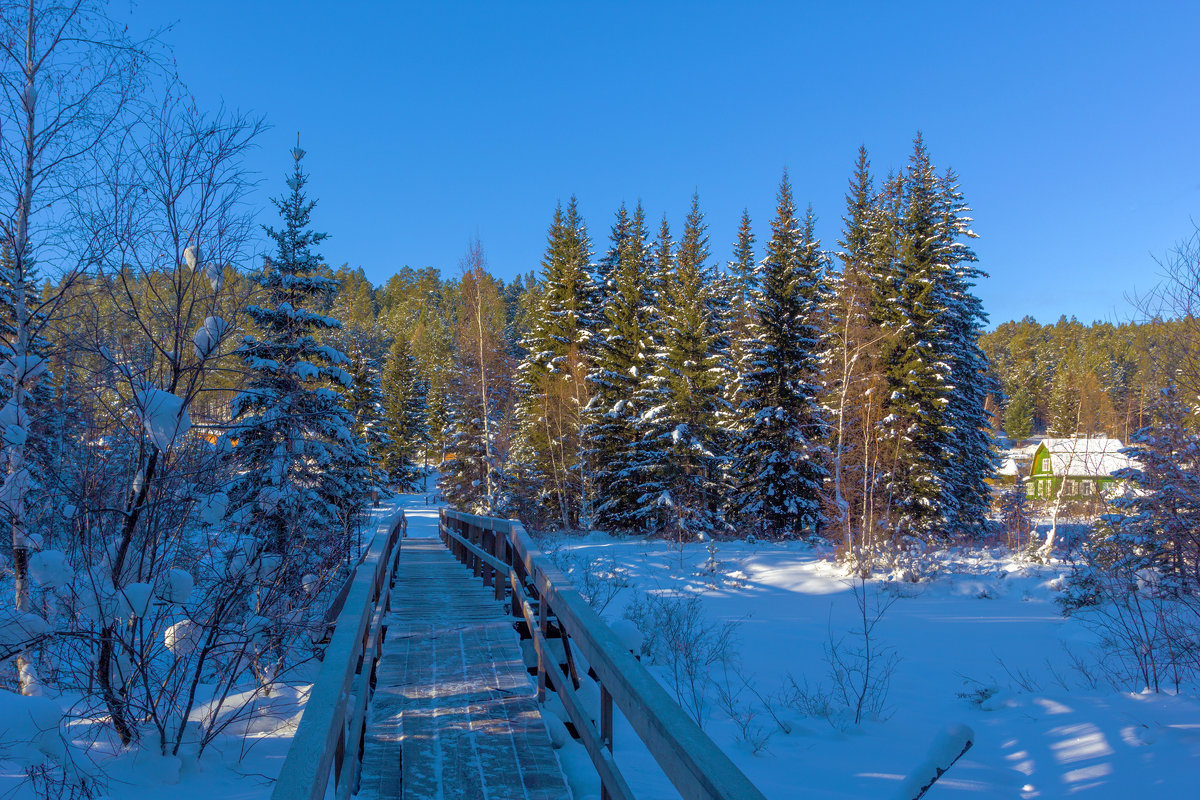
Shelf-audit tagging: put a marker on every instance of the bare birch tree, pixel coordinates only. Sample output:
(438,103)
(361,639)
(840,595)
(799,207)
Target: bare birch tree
(68,77)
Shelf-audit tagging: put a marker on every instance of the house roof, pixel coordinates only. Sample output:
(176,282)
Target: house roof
(1086,456)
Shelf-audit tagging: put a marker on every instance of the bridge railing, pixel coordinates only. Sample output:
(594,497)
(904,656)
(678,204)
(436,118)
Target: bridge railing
(501,553)
(328,741)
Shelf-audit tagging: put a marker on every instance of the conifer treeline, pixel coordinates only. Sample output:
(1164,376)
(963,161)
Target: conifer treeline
(635,386)
(1069,378)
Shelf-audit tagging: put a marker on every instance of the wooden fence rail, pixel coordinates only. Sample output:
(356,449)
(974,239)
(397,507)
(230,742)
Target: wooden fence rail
(328,741)
(501,553)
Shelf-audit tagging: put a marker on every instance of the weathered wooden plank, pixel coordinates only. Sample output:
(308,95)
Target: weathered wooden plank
(454,713)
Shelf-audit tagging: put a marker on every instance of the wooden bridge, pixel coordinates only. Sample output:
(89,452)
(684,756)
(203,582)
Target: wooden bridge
(424,692)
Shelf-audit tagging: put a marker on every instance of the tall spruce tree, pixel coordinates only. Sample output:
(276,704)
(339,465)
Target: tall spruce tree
(303,470)
(365,401)
(405,416)
(621,365)
(937,445)
(916,428)
(681,430)
(973,455)
(549,456)
(781,458)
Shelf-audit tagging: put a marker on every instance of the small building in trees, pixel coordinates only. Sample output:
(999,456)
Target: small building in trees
(1087,464)
(1009,473)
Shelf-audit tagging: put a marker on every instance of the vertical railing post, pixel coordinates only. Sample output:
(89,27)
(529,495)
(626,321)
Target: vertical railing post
(499,577)
(476,561)
(518,587)
(544,627)
(606,730)
(486,539)
(464,553)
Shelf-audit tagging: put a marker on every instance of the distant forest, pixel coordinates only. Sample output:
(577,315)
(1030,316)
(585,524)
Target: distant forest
(1071,378)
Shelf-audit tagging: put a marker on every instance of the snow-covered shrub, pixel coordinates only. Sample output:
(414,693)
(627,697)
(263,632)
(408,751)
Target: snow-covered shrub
(678,637)
(1014,517)
(745,714)
(599,580)
(1147,623)
(50,569)
(858,667)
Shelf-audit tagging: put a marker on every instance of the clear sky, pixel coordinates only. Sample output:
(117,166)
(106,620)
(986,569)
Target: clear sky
(1074,126)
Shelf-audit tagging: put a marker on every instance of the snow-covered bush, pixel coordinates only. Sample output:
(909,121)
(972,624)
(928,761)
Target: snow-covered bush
(1147,623)
(600,579)
(678,637)
(859,669)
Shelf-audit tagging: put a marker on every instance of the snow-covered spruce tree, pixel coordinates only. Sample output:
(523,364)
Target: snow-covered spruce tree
(405,416)
(304,472)
(465,471)
(1139,573)
(681,434)
(645,467)
(973,454)
(549,449)
(365,401)
(781,459)
(936,444)
(1158,525)
(739,285)
(915,445)
(621,365)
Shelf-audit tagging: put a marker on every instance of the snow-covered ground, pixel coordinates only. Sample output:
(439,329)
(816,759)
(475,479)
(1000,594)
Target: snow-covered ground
(988,626)
(242,763)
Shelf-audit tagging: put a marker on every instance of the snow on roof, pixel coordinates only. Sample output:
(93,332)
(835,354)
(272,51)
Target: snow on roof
(1086,456)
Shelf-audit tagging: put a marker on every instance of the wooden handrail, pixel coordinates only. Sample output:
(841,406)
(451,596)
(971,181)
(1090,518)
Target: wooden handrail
(690,759)
(330,732)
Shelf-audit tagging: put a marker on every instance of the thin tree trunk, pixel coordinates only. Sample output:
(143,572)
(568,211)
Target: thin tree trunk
(29,682)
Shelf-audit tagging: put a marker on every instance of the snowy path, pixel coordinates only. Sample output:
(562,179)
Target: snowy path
(454,703)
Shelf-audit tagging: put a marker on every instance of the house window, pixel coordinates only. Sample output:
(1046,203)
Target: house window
(1045,463)
(1030,488)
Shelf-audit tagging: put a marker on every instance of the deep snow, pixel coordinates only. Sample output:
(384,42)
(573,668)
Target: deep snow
(988,622)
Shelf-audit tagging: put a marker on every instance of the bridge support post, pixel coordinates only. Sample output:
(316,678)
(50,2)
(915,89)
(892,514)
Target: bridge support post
(606,730)
(543,626)
(499,579)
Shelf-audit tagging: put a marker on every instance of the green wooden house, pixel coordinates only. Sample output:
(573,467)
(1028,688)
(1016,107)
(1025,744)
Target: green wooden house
(1087,464)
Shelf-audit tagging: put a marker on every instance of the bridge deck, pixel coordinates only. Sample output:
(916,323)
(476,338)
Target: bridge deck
(454,713)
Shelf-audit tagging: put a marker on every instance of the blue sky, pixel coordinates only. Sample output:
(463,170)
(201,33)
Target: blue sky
(1072,125)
